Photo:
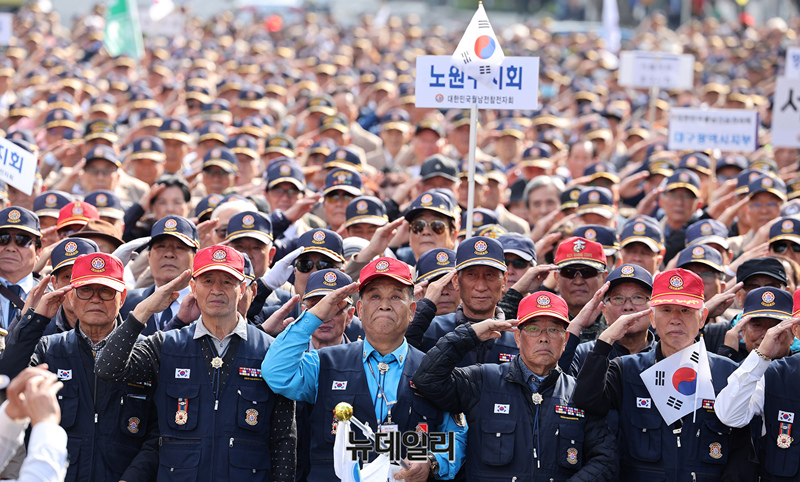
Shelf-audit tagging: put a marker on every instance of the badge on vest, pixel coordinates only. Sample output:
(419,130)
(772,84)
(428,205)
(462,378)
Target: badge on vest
(459,419)
(785,436)
(715,450)
(787,417)
(182,373)
(570,411)
(182,415)
(421,429)
(643,402)
(339,385)
(506,357)
(250,372)
(251,416)
(500,408)
(411,384)
(64,375)
(133,425)
(708,404)
(572,456)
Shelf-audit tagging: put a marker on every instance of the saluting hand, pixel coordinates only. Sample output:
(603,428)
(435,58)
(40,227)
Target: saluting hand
(619,328)
(50,302)
(488,329)
(160,299)
(589,312)
(776,338)
(333,302)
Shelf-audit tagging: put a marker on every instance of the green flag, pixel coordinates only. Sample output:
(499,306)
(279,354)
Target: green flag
(123,34)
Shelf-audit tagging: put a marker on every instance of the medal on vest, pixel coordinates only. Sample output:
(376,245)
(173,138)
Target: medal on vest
(182,416)
(537,398)
(785,437)
(216,363)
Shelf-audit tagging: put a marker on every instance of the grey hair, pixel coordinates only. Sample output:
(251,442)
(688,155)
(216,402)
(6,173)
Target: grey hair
(543,181)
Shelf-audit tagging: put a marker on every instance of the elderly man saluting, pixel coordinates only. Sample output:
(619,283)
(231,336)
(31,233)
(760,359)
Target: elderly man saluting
(695,447)
(217,418)
(514,408)
(373,375)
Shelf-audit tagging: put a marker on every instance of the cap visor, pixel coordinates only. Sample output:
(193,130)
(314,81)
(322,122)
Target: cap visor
(440,174)
(412,212)
(705,262)
(363,283)
(493,263)
(722,242)
(587,262)
(291,180)
(604,211)
(434,274)
(219,267)
(376,220)
(280,150)
(343,164)
(111,213)
(22,228)
(677,299)
(531,316)
(521,254)
(350,189)
(226,166)
(776,315)
(678,185)
(263,237)
(186,240)
(108,281)
(785,237)
(649,242)
(327,252)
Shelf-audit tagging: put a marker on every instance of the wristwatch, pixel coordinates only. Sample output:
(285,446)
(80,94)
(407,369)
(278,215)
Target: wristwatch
(434,464)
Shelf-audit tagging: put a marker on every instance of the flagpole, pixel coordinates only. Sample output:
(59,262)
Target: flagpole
(473,142)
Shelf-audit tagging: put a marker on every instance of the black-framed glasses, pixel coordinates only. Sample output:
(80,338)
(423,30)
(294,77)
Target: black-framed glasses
(551,331)
(518,263)
(571,272)
(87,293)
(781,248)
(436,226)
(21,240)
(636,300)
(307,264)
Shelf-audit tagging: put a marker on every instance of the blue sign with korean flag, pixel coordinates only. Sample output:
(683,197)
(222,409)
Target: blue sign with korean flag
(680,383)
(440,84)
(17,166)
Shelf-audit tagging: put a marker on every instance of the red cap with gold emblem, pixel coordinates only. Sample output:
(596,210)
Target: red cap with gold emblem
(388,267)
(577,250)
(796,303)
(98,269)
(542,303)
(78,213)
(678,287)
(219,258)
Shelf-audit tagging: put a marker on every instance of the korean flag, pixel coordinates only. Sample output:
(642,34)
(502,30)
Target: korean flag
(680,383)
(478,54)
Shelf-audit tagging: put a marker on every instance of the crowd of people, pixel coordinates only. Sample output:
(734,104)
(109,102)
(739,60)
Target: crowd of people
(227,238)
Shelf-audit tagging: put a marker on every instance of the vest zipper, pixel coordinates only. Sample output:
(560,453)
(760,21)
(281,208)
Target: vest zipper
(216,406)
(230,443)
(694,477)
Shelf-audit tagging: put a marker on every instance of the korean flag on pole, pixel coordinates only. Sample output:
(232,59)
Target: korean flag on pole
(478,54)
(680,383)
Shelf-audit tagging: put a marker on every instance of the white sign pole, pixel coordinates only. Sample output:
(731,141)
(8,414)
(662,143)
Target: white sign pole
(473,144)
(653,96)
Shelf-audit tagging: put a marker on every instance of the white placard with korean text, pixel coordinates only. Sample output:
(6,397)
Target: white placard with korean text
(17,166)
(729,130)
(441,85)
(786,113)
(792,68)
(643,70)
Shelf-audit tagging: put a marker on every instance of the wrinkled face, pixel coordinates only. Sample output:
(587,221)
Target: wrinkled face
(17,261)
(301,278)
(676,326)
(260,253)
(480,288)
(147,170)
(216,180)
(284,195)
(679,205)
(641,255)
(541,343)
(335,207)
(100,174)
(361,230)
(753,333)
(386,308)
(170,201)
(218,294)
(634,298)
(579,290)
(96,305)
(169,257)
(332,329)
(516,267)
(426,144)
(763,208)
(429,238)
(542,201)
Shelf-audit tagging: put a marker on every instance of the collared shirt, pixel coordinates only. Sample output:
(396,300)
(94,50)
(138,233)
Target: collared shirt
(95,347)
(26,284)
(47,448)
(293,372)
(533,380)
(221,345)
(174,307)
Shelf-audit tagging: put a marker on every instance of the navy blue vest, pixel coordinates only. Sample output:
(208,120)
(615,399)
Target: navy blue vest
(782,394)
(106,422)
(344,362)
(502,439)
(224,439)
(497,350)
(649,450)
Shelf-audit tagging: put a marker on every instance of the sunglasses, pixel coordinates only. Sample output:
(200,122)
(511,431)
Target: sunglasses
(585,273)
(783,247)
(339,196)
(21,240)
(307,265)
(518,263)
(87,293)
(437,226)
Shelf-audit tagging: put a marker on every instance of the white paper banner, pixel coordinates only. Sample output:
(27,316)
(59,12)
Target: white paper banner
(641,69)
(17,166)
(786,113)
(729,130)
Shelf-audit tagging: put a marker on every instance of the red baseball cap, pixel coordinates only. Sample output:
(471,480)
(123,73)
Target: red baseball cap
(98,269)
(678,287)
(576,250)
(388,267)
(76,212)
(796,304)
(219,258)
(542,303)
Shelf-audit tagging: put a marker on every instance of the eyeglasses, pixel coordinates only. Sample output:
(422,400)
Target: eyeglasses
(339,196)
(585,273)
(215,173)
(21,240)
(291,192)
(677,195)
(518,263)
(307,264)
(100,172)
(535,330)
(709,276)
(87,293)
(636,300)
(436,226)
(769,204)
(781,248)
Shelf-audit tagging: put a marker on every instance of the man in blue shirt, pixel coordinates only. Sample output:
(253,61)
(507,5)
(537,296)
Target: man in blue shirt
(365,374)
